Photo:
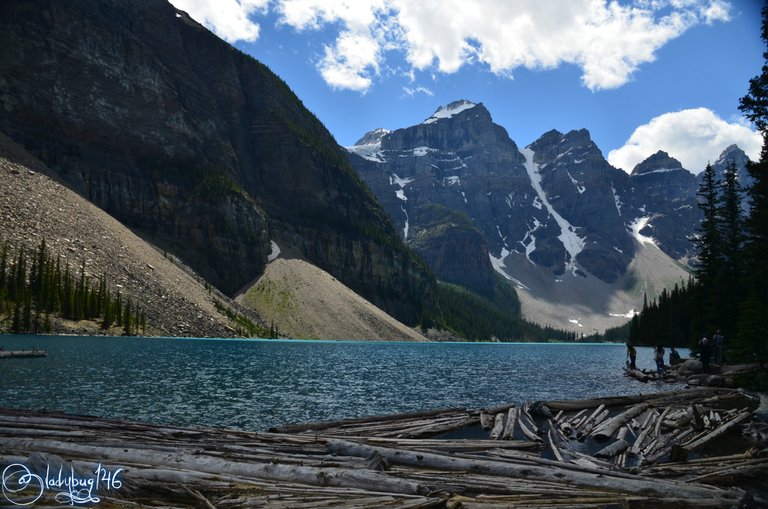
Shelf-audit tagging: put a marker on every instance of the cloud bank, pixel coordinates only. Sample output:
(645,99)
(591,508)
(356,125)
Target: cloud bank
(694,137)
(606,39)
(229,19)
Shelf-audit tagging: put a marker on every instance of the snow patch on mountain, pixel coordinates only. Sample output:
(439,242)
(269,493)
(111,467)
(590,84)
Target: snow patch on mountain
(394,180)
(422,151)
(571,241)
(529,240)
(637,225)
(275,251)
(407,224)
(449,111)
(371,152)
(498,266)
(660,170)
(579,187)
(369,146)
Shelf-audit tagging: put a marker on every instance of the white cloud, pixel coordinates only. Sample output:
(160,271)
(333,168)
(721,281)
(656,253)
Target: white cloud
(229,19)
(694,137)
(351,62)
(413,91)
(607,40)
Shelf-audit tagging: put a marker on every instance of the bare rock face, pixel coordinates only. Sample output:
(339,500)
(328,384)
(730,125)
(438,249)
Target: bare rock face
(557,202)
(452,247)
(665,192)
(582,187)
(460,161)
(194,145)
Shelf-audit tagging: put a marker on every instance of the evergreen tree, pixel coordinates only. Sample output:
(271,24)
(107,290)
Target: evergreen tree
(710,254)
(751,340)
(731,235)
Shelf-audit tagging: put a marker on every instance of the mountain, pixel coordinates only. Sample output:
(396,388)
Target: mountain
(582,241)
(309,303)
(195,146)
(734,155)
(662,196)
(36,206)
(455,177)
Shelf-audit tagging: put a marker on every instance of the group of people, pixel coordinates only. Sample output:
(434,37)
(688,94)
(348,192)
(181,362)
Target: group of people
(709,347)
(706,349)
(658,356)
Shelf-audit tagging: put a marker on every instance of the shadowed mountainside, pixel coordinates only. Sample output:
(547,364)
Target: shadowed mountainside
(195,146)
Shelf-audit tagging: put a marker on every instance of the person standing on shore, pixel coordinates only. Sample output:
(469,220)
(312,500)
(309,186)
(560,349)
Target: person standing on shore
(674,357)
(659,358)
(719,343)
(705,352)
(632,354)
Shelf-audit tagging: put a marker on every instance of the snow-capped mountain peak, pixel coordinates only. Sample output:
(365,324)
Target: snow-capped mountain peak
(369,146)
(450,110)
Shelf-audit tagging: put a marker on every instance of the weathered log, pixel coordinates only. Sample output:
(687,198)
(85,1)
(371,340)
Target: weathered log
(609,427)
(498,426)
(586,426)
(447,445)
(638,444)
(695,444)
(314,476)
(509,426)
(657,429)
(525,414)
(613,449)
(487,420)
(527,431)
(603,480)
(553,445)
(698,422)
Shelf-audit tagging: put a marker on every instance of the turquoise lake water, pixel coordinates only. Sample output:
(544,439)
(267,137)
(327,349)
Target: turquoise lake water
(255,384)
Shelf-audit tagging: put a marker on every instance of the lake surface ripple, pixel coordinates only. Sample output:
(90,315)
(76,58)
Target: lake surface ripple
(255,384)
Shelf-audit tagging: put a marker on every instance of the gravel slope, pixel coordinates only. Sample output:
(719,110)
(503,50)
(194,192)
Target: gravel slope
(304,301)
(33,206)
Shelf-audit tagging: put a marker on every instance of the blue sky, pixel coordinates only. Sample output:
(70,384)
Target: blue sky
(640,76)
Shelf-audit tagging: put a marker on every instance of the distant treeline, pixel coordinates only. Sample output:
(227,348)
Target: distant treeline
(477,318)
(730,292)
(34,287)
(730,288)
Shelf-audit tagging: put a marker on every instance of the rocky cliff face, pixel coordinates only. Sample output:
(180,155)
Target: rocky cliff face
(457,159)
(557,219)
(661,196)
(193,144)
(581,187)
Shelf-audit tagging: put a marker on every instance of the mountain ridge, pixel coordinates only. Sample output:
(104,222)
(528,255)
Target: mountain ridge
(194,145)
(565,211)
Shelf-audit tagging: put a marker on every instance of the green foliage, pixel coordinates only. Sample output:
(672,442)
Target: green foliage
(243,325)
(36,287)
(477,318)
(214,185)
(731,293)
(671,321)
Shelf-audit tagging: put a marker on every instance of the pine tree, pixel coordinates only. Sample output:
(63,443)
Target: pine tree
(710,254)
(731,235)
(751,340)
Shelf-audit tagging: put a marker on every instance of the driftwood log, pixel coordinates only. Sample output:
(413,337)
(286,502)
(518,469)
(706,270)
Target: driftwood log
(425,459)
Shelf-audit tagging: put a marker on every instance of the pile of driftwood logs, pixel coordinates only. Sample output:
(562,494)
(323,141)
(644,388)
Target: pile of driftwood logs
(689,371)
(677,449)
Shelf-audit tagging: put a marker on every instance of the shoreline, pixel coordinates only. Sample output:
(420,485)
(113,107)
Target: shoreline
(302,340)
